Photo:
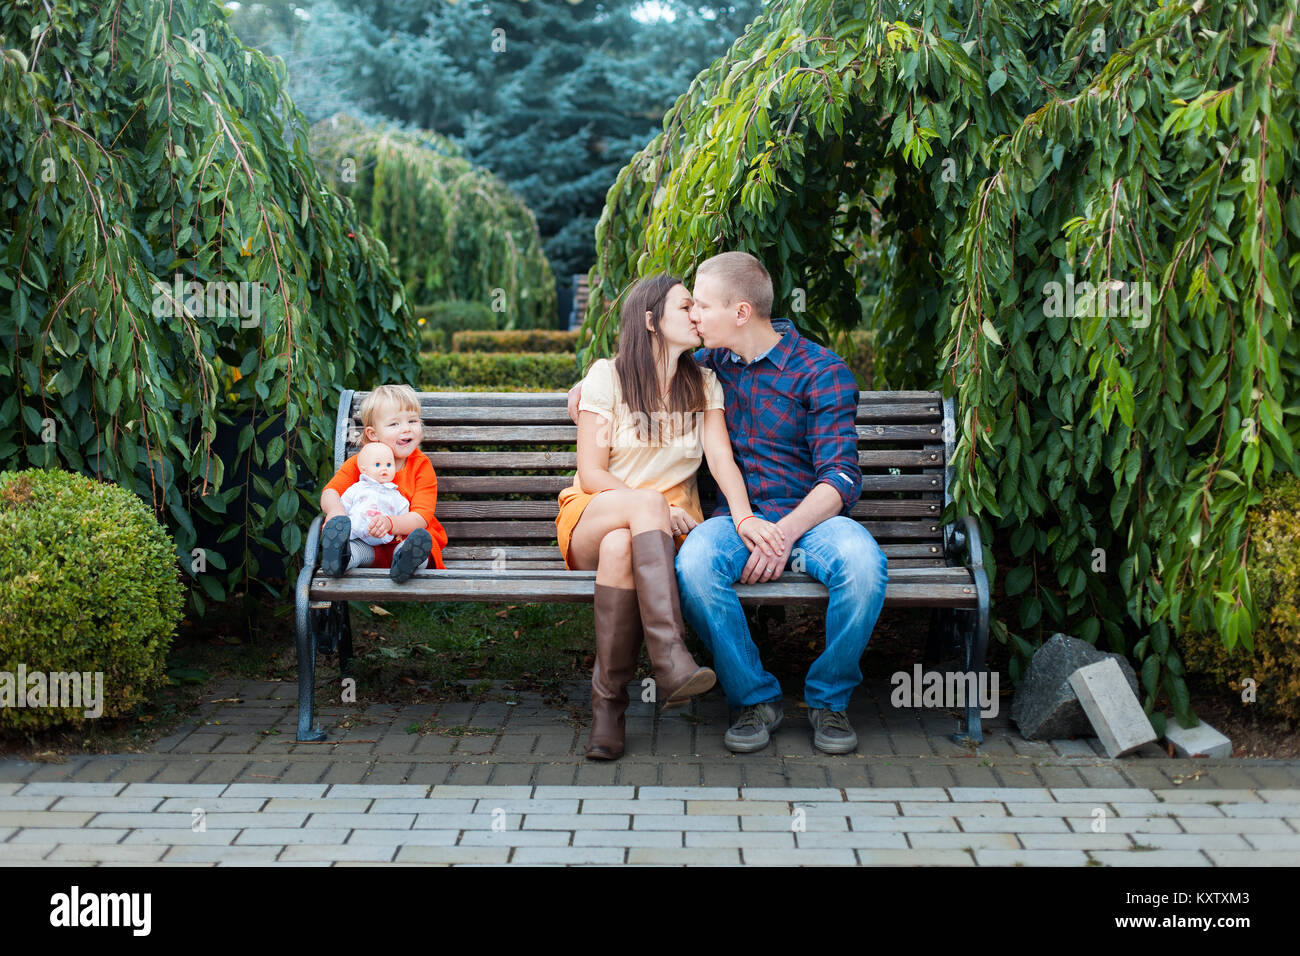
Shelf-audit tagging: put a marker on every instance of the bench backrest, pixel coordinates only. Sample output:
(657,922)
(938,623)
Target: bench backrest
(503,457)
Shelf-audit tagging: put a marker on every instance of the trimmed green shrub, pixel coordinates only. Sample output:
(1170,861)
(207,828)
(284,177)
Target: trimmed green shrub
(857,348)
(439,322)
(88,583)
(520,340)
(1273,570)
(524,371)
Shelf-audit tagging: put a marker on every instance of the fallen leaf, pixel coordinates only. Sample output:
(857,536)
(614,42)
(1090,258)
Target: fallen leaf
(380,611)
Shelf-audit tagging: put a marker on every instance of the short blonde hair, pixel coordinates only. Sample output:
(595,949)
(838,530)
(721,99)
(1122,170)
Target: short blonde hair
(402,398)
(743,279)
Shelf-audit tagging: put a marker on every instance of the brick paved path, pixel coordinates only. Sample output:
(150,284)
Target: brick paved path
(427,783)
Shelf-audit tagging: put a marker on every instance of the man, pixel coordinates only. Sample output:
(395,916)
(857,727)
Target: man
(790,409)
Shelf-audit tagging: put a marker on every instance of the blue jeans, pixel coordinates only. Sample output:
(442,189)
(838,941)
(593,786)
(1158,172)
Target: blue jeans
(839,553)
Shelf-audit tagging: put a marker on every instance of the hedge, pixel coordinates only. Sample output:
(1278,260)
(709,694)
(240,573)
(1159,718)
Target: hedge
(528,371)
(527,340)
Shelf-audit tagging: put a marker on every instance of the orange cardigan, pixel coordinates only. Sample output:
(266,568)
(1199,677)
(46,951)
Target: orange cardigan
(418,484)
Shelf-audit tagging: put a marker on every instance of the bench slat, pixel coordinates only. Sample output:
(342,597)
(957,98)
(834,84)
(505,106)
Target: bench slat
(524,552)
(561,398)
(473,531)
(930,457)
(552,485)
(549,508)
(568,434)
(509,415)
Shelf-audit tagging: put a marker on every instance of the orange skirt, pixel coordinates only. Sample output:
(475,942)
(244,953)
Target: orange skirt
(573,501)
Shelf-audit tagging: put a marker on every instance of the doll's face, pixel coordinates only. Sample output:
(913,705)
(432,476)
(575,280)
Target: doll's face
(376,460)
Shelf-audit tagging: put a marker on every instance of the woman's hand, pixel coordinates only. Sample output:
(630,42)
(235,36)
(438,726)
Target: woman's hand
(764,535)
(380,525)
(679,522)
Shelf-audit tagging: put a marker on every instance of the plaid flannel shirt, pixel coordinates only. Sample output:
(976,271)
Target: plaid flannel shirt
(791,415)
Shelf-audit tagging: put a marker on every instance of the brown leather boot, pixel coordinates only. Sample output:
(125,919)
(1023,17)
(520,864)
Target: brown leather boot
(677,677)
(618,638)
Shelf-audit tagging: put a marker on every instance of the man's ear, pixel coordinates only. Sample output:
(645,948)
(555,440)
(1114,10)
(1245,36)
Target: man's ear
(744,312)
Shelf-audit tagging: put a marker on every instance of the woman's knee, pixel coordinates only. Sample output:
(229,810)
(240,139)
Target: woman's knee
(616,550)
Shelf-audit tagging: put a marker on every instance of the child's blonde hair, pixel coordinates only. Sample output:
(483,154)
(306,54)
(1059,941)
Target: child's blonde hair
(403,398)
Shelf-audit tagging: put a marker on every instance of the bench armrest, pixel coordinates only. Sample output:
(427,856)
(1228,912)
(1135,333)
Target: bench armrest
(311,550)
(966,538)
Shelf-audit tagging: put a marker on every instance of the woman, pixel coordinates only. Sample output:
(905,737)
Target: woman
(644,420)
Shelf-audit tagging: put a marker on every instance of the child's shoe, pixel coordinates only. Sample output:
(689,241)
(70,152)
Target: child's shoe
(411,555)
(334,550)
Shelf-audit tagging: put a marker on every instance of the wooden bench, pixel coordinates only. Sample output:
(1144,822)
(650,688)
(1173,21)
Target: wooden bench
(499,509)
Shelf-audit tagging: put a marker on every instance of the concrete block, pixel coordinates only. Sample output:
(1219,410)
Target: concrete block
(1199,741)
(1112,707)
(1045,706)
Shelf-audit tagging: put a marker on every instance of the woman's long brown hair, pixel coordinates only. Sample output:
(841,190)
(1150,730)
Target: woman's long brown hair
(636,359)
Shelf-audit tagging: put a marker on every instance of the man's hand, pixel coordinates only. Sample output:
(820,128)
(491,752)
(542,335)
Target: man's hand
(575,396)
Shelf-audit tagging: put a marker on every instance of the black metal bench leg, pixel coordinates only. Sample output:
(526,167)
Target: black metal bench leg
(343,621)
(306,641)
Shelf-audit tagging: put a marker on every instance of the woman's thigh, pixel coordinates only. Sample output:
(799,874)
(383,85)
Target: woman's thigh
(608,511)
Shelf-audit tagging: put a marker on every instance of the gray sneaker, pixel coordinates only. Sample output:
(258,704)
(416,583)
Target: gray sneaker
(832,732)
(753,729)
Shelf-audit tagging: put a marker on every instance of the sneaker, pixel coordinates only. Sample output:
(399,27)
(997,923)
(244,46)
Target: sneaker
(832,732)
(411,555)
(753,730)
(334,550)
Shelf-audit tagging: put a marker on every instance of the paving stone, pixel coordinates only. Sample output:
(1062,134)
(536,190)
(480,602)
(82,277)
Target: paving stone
(736,807)
(1102,777)
(1013,825)
(1280,796)
(271,836)
(308,805)
(24,853)
(126,853)
(348,851)
(846,809)
(895,794)
(1253,858)
(756,840)
(275,790)
(1130,825)
(222,854)
(139,771)
(1198,741)
(525,806)
(1073,748)
(398,773)
(688,793)
(1283,776)
(359,821)
(960,841)
(913,809)
(886,776)
(1258,825)
(406,805)
(187,791)
(186,820)
(691,855)
(852,840)
(9,788)
(1046,705)
(905,824)
(480,792)
(515,838)
(511,774)
(1222,777)
(1059,777)
(375,791)
(43,818)
(1205,796)
(633,806)
(628,838)
(13,804)
(1083,810)
(1099,795)
(929,857)
(574,821)
(430,773)
(1192,841)
(453,854)
(1148,858)
(999,794)
(72,789)
(171,836)
(1261,809)
(1027,857)
(404,837)
(104,804)
(926,776)
(466,821)
(788,794)
(801,857)
(1179,810)
(685,822)
(811,822)
(1076,841)
(553,792)
(568,855)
